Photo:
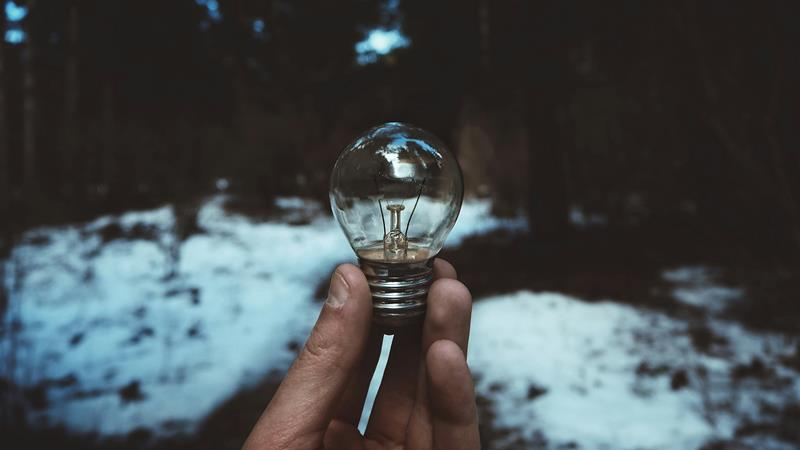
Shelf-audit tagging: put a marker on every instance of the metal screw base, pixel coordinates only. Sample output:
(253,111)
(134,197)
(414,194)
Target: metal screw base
(399,291)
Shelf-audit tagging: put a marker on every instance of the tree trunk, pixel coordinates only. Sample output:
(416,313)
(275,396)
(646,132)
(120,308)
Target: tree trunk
(774,176)
(72,181)
(28,119)
(484,29)
(547,89)
(5,184)
(6,395)
(548,172)
(109,133)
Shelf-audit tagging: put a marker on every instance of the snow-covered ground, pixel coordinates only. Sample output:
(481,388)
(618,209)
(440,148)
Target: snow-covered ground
(610,376)
(147,330)
(143,330)
(695,286)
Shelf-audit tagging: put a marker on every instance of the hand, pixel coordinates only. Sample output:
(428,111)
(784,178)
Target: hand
(426,399)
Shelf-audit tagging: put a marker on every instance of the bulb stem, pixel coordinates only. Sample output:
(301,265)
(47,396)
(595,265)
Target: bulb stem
(395,243)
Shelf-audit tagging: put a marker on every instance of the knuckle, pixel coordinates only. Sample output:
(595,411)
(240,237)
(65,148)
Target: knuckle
(449,297)
(322,349)
(314,348)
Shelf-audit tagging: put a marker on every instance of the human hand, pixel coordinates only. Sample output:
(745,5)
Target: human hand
(426,399)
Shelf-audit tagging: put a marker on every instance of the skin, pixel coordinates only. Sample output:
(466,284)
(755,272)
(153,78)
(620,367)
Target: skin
(426,399)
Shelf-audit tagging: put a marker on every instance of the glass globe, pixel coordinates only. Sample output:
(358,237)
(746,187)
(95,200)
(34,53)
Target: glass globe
(396,191)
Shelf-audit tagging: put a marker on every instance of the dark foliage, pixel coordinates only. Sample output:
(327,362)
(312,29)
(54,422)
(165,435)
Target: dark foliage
(677,113)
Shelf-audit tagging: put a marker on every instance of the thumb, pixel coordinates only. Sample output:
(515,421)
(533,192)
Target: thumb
(306,400)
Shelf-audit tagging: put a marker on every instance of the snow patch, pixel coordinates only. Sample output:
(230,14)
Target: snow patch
(696,286)
(581,219)
(154,332)
(605,375)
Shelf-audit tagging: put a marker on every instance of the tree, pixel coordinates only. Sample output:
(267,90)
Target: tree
(71,181)
(741,67)
(29,180)
(548,87)
(5,184)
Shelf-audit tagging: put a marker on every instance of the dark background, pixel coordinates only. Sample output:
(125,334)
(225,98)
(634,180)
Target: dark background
(672,126)
(664,114)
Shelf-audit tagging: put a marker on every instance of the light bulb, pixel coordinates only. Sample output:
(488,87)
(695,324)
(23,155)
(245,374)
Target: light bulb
(396,192)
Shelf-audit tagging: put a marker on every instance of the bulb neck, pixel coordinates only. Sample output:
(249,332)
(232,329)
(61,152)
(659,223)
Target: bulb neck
(399,291)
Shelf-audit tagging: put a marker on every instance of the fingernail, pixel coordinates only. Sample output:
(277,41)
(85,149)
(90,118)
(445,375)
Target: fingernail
(339,291)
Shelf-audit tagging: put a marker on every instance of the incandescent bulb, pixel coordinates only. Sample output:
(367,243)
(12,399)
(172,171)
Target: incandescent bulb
(396,192)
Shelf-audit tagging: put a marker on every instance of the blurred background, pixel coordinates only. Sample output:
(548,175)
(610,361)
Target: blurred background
(630,234)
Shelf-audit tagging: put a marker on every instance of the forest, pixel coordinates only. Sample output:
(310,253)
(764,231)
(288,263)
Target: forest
(648,113)
(632,165)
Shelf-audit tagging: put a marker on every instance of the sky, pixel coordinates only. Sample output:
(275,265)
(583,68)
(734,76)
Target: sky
(379,41)
(384,39)
(15,14)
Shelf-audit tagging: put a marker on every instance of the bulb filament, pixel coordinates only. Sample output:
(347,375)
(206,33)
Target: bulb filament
(395,243)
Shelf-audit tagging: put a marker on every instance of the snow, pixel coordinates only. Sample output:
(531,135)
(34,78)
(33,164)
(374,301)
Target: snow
(182,325)
(581,219)
(476,219)
(585,356)
(207,315)
(603,374)
(694,285)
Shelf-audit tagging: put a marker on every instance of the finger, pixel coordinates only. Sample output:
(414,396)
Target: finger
(352,402)
(448,317)
(302,408)
(452,398)
(443,269)
(397,394)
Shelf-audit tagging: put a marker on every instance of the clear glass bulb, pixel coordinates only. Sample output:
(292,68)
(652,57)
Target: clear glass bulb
(396,192)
